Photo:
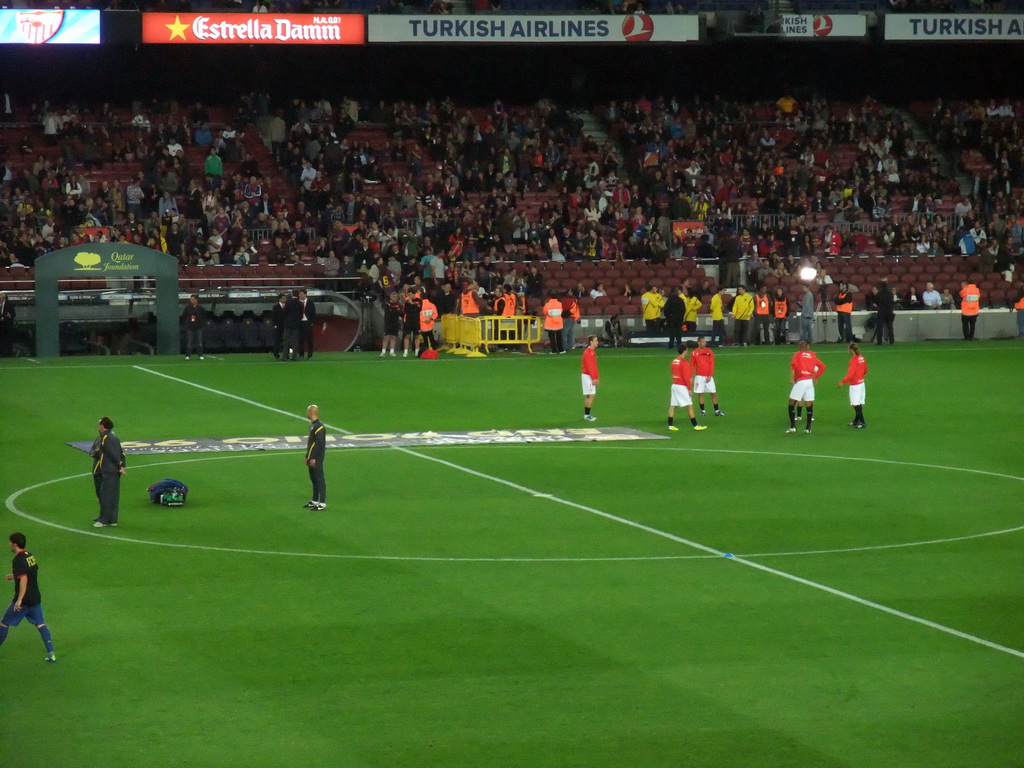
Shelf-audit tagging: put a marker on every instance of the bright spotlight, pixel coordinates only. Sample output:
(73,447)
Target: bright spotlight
(808,273)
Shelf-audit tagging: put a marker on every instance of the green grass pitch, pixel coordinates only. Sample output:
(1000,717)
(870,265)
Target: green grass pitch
(532,605)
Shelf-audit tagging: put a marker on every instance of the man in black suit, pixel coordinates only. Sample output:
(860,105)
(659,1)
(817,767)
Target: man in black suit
(305,348)
(6,327)
(292,327)
(277,317)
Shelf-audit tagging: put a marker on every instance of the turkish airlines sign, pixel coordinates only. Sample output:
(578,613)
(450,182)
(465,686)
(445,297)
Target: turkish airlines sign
(253,28)
(632,28)
(841,25)
(954,26)
(48,27)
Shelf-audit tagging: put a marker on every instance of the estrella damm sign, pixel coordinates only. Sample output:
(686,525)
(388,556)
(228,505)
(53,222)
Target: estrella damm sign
(254,28)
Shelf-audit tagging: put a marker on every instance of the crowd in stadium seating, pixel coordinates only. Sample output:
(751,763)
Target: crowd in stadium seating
(428,191)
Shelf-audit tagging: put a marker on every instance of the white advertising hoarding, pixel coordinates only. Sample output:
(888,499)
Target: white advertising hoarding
(822,26)
(954,26)
(633,28)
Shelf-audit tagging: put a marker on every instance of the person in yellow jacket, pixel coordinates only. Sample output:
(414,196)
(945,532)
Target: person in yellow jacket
(970,306)
(742,311)
(553,323)
(652,301)
(693,305)
(717,320)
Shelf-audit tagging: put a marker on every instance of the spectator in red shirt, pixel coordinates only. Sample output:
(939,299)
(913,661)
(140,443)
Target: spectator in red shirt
(855,374)
(704,375)
(682,382)
(804,370)
(590,376)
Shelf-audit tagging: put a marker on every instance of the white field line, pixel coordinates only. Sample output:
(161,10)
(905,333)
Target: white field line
(655,531)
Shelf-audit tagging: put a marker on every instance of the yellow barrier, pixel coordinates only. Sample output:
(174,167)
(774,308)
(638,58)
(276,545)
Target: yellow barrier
(467,335)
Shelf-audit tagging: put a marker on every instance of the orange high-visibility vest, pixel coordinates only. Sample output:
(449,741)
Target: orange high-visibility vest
(1019,304)
(428,315)
(509,308)
(761,306)
(970,300)
(781,309)
(844,302)
(469,305)
(553,315)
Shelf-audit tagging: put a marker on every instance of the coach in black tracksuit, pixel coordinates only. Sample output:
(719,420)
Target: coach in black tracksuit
(107,468)
(316,448)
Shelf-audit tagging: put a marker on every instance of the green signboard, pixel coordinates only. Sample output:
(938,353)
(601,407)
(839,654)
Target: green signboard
(91,260)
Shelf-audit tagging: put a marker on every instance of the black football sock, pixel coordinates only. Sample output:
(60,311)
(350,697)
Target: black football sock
(810,415)
(586,411)
(799,411)
(670,421)
(693,421)
(792,417)
(860,413)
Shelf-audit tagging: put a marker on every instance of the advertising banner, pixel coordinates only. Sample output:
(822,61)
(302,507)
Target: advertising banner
(46,27)
(841,25)
(954,26)
(685,229)
(253,28)
(383,440)
(633,28)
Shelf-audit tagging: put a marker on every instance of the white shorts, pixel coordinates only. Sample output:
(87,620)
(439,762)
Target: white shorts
(680,395)
(857,393)
(703,384)
(803,390)
(588,385)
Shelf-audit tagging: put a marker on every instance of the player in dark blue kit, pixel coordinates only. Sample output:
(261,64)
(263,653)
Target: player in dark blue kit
(316,448)
(27,603)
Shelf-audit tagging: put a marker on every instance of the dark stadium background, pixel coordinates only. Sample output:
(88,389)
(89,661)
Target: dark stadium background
(581,75)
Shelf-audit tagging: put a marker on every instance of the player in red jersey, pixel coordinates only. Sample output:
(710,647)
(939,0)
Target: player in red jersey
(804,370)
(703,359)
(590,377)
(682,382)
(855,378)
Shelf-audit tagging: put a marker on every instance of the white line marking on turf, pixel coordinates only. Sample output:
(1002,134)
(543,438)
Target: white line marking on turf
(13,507)
(215,457)
(663,534)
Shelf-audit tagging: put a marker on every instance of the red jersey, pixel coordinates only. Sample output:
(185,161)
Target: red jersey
(590,363)
(703,362)
(806,365)
(682,373)
(857,371)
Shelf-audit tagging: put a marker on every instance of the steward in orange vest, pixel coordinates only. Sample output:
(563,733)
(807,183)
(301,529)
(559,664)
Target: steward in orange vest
(467,301)
(428,316)
(780,308)
(553,323)
(844,313)
(762,311)
(970,306)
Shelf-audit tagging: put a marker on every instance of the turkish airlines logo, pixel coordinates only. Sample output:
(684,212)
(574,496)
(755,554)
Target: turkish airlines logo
(822,26)
(638,28)
(37,27)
